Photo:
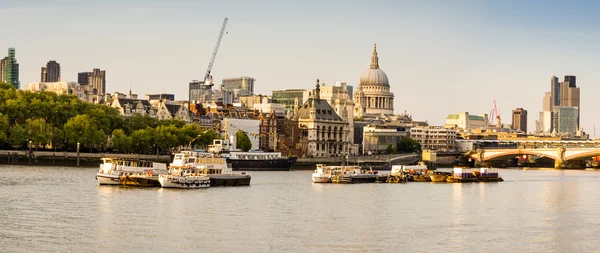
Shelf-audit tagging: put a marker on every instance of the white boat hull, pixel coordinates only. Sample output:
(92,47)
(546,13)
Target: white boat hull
(108,179)
(188,182)
(321,179)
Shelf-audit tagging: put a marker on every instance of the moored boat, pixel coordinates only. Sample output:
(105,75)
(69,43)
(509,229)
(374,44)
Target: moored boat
(216,168)
(322,174)
(112,169)
(439,176)
(188,178)
(351,175)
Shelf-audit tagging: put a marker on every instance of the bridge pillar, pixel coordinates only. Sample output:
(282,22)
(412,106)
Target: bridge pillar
(562,164)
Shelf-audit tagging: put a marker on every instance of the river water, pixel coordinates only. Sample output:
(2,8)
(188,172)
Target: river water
(50,209)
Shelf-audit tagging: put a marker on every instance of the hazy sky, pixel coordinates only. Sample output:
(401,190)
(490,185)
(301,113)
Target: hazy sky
(441,57)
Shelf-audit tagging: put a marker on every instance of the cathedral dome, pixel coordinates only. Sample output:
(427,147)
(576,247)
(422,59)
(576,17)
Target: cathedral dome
(374,75)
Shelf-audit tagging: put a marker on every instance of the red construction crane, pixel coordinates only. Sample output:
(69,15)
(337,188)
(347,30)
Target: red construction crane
(494,119)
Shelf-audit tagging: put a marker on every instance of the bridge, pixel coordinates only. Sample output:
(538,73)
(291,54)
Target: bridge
(566,154)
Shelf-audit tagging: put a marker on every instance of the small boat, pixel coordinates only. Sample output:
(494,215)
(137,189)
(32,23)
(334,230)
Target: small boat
(417,173)
(439,176)
(112,169)
(188,178)
(147,178)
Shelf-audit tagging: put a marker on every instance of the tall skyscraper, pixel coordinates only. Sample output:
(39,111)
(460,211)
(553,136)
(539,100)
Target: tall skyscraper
(243,83)
(51,73)
(519,119)
(83,78)
(560,104)
(9,69)
(554,91)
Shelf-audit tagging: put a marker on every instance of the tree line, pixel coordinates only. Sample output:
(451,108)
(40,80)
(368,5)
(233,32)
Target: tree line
(47,120)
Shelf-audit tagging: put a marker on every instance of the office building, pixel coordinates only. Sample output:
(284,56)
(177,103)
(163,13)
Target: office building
(163,96)
(244,83)
(288,96)
(519,119)
(566,119)
(434,137)
(9,69)
(51,73)
(466,122)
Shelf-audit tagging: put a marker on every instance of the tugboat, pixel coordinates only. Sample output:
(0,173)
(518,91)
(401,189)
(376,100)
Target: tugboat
(253,160)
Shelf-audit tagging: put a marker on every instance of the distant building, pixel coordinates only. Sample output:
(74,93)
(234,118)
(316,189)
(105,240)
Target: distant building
(519,119)
(244,83)
(465,121)
(170,97)
(562,94)
(131,106)
(199,93)
(51,73)
(9,69)
(83,78)
(56,87)
(288,96)
(95,79)
(169,110)
(434,137)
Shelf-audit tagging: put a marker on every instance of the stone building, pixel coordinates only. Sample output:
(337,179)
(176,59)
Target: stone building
(323,133)
(373,95)
(166,110)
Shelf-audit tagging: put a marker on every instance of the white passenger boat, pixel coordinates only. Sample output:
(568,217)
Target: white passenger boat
(189,178)
(112,169)
(216,168)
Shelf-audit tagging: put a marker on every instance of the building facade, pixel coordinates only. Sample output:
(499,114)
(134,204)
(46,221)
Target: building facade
(373,95)
(435,137)
(9,69)
(170,97)
(565,120)
(519,119)
(376,138)
(562,94)
(51,73)
(244,83)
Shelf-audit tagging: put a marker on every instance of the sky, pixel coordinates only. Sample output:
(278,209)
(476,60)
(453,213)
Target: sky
(441,57)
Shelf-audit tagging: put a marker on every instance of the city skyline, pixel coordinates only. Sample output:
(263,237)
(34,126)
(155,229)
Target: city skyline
(434,55)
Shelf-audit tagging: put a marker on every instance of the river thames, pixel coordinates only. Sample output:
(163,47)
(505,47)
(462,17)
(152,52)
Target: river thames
(50,209)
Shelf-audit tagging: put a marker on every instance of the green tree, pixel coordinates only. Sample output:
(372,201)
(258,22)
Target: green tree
(206,138)
(81,129)
(4,128)
(58,138)
(242,141)
(408,145)
(390,149)
(142,140)
(39,132)
(166,137)
(121,141)
(17,136)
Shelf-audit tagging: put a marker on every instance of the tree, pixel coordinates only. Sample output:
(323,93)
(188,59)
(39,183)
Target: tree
(242,141)
(142,140)
(166,137)
(207,138)
(390,149)
(121,141)
(39,132)
(81,129)
(17,136)
(4,128)
(408,145)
